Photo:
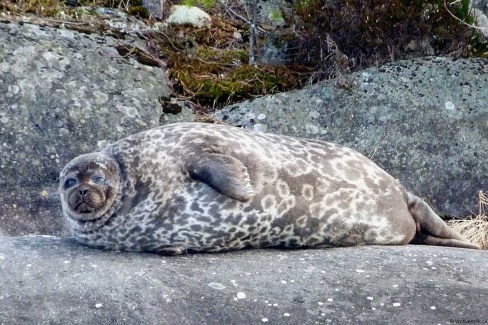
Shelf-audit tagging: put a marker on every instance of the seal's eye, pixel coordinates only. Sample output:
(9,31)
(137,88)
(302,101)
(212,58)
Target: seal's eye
(99,180)
(70,182)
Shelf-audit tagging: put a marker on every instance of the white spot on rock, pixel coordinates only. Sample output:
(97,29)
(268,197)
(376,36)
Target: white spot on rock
(98,305)
(286,314)
(44,194)
(100,97)
(396,304)
(216,285)
(313,129)
(261,116)
(433,307)
(450,106)
(264,320)
(241,295)
(360,271)
(369,298)
(259,127)
(330,299)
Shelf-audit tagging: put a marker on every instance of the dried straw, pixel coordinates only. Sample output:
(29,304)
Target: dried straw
(475,228)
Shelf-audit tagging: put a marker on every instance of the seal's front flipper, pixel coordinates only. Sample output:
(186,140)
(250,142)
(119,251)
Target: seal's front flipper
(225,174)
(431,229)
(171,250)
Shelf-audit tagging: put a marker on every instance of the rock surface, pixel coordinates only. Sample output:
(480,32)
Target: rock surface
(61,93)
(480,10)
(425,121)
(55,281)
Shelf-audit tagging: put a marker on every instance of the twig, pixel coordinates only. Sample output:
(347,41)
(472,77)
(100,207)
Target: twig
(459,19)
(232,12)
(64,22)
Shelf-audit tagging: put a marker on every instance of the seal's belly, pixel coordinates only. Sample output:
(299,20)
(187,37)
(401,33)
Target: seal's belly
(200,219)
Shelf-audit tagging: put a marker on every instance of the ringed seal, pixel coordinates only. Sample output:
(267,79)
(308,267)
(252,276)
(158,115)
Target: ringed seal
(194,187)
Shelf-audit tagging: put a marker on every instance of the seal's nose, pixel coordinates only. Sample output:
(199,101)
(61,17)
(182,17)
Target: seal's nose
(83,191)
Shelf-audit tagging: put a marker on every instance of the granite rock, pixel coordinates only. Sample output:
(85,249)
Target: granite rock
(62,93)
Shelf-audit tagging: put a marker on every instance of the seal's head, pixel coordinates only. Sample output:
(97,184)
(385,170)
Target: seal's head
(88,187)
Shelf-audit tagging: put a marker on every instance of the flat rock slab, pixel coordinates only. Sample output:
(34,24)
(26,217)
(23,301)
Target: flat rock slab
(56,281)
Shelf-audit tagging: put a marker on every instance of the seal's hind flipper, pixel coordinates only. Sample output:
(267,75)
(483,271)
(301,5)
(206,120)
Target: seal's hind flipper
(436,241)
(431,229)
(225,174)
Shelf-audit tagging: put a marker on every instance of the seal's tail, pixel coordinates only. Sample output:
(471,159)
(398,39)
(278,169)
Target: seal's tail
(431,229)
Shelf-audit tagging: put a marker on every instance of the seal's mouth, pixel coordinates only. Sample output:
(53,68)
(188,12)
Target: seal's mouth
(83,208)
(87,222)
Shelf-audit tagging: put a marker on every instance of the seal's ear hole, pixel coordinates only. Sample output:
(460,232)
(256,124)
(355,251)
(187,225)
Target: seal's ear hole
(70,182)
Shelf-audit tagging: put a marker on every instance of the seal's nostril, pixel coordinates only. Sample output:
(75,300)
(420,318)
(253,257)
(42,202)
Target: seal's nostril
(83,191)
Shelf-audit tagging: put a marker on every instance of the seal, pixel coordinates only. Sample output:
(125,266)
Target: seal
(194,187)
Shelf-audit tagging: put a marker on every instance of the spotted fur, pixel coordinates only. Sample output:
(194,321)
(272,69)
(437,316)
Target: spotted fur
(208,188)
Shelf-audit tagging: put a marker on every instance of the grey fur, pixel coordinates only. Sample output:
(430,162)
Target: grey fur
(208,188)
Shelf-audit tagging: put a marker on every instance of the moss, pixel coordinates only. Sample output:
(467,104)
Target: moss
(205,4)
(223,56)
(275,15)
(51,8)
(215,78)
(47,8)
(139,11)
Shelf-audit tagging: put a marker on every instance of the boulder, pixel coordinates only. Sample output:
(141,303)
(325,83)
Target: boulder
(425,121)
(61,93)
(49,280)
(188,15)
(154,7)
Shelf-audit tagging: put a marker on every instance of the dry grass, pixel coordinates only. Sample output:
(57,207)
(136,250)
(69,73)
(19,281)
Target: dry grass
(475,228)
